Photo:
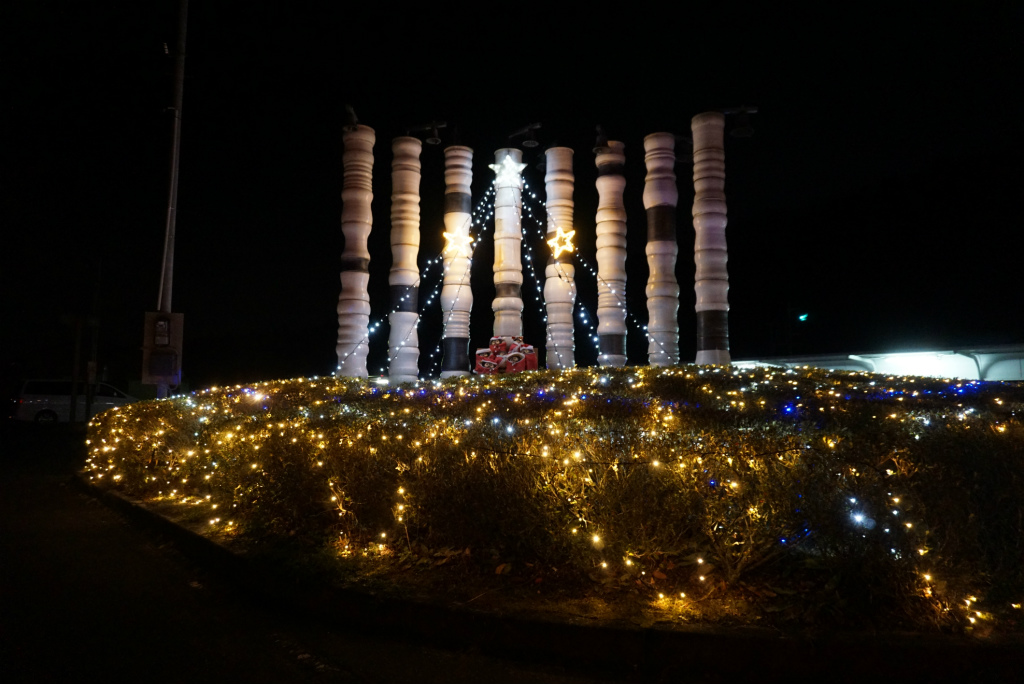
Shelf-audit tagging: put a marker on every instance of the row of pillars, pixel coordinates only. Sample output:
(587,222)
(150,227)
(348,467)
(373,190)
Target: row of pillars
(660,201)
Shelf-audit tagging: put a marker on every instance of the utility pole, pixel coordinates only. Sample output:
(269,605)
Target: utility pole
(162,337)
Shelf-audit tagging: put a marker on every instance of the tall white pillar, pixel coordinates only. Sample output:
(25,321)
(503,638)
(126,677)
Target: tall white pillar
(660,199)
(560,281)
(611,255)
(508,238)
(709,249)
(404,278)
(456,293)
(356,221)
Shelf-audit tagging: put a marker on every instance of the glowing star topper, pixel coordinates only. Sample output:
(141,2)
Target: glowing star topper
(508,172)
(457,244)
(562,242)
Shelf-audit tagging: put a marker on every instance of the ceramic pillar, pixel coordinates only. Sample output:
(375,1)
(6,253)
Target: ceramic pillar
(404,278)
(709,249)
(660,199)
(456,293)
(611,255)
(560,273)
(508,238)
(356,221)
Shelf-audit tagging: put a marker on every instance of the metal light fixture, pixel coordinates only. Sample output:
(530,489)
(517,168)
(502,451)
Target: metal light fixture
(432,129)
(529,137)
(741,127)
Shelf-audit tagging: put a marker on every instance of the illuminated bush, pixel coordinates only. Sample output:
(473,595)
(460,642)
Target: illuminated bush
(860,493)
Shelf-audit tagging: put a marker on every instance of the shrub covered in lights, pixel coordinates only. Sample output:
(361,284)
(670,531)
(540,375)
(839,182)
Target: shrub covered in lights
(821,495)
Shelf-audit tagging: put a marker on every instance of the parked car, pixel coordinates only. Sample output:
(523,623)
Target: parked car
(49,401)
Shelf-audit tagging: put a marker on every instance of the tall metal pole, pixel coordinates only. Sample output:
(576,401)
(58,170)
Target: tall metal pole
(167,273)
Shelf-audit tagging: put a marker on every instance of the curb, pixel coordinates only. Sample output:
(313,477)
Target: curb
(600,649)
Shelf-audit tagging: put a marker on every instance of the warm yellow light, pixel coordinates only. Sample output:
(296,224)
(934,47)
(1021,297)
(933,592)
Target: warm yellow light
(562,242)
(458,244)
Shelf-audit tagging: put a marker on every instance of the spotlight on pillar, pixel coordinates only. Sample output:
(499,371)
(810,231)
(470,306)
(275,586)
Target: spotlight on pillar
(529,137)
(432,130)
(741,127)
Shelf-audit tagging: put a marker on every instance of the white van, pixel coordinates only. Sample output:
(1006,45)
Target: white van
(49,401)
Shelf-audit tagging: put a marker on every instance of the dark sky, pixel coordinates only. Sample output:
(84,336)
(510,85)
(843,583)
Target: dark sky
(880,192)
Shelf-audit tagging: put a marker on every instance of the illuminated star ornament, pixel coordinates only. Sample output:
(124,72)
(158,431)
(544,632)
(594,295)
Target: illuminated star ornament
(457,244)
(562,242)
(508,172)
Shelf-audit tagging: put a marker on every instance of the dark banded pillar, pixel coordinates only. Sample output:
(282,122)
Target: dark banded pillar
(660,199)
(356,221)
(404,278)
(711,280)
(508,238)
(560,273)
(456,294)
(611,255)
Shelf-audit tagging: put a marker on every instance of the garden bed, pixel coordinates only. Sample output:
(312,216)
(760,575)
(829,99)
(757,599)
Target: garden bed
(710,495)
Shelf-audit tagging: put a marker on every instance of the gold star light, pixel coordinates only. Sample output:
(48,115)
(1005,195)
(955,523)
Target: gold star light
(459,244)
(562,242)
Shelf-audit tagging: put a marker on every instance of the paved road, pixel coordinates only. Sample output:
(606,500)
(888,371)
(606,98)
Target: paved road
(84,596)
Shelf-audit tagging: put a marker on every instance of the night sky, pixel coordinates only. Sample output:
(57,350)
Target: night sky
(880,193)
